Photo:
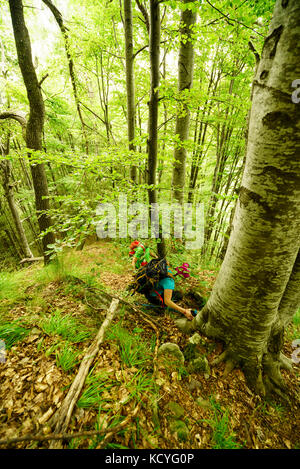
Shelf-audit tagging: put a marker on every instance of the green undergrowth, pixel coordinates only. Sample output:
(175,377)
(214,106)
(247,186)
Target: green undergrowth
(12,332)
(64,267)
(13,286)
(130,345)
(223,436)
(67,358)
(133,350)
(65,326)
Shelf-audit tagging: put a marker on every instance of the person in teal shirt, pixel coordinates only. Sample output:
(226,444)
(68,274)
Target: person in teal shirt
(164,294)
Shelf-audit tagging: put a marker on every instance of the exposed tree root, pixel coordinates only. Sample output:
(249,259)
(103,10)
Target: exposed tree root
(272,388)
(220,359)
(285,363)
(229,366)
(266,380)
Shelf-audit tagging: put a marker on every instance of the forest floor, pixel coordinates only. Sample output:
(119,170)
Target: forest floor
(53,319)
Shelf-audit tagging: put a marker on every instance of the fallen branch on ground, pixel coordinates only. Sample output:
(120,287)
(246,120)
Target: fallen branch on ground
(134,308)
(62,417)
(145,317)
(31,259)
(69,436)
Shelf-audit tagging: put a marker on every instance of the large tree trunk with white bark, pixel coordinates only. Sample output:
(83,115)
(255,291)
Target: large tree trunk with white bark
(257,289)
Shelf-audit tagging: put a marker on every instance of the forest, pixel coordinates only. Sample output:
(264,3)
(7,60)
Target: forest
(149,225)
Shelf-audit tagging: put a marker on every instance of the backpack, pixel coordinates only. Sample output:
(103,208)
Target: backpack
(148,275)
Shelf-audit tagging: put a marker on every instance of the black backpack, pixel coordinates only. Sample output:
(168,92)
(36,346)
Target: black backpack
(148,275)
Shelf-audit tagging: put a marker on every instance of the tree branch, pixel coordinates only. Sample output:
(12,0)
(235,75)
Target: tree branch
(17,116)
(229,20)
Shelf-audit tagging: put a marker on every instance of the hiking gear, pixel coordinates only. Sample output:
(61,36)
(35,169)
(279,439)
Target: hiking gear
(183,270)
(134,245)
(148,276)
(141,253)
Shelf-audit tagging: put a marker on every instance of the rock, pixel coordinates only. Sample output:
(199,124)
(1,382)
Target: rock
(180,429)
(170,355)
(199,365)
(175,409)
(195,339)
(204,403)
(194,385)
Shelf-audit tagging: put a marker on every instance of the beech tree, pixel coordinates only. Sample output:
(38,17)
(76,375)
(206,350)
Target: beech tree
(257,289)
(35,123)
(185,80)
(8,186)
(130,81)
(154,47)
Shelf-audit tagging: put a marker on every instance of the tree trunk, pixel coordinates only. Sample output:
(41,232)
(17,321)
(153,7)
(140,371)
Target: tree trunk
(185,80)
(34,128)
(153,111)
(130,82)
(8,191)
(59,19)
(256,286)
(198,152)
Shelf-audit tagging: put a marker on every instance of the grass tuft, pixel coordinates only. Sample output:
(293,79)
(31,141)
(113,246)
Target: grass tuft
(133,350)
(11,333)
(222,437)
(96,384)
(65,326)
(67,358)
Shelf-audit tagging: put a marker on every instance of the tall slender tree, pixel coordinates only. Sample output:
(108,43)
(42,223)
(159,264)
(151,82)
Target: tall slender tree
(154,47)
(8,187)
(130,88)
(64,30)
(35,123)
(185,81)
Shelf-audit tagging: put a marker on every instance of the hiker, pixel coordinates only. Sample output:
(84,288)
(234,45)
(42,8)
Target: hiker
(155,280)
(140,254)
(164,294)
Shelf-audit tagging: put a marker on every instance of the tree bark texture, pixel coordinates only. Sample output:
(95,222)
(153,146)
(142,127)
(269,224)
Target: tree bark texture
(35,123)
(153,110)
(130,82)
(185,81)
(257,289)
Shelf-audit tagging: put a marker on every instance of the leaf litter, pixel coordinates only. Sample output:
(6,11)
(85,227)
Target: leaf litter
(32,388)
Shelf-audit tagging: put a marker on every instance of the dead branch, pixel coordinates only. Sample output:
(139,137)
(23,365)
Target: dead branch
(62,417)
(145,317)
(69,436)
(31,259)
